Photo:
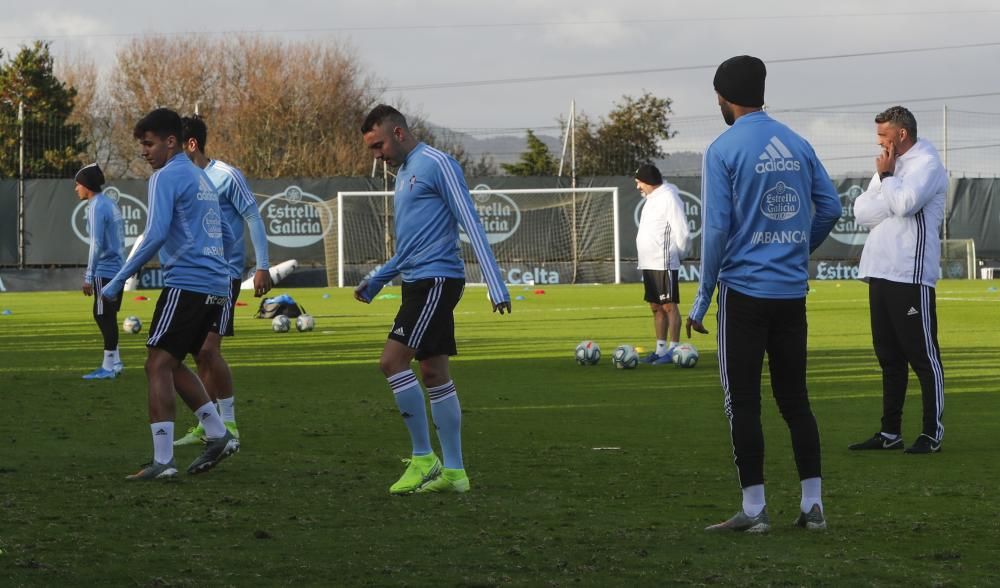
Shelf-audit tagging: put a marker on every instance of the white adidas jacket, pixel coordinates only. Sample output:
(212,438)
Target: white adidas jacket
(904,213)
(662,240)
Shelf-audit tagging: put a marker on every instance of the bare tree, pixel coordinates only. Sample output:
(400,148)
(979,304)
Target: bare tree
(273,108)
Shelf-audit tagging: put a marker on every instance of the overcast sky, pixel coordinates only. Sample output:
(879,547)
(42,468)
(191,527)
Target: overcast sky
(431,42)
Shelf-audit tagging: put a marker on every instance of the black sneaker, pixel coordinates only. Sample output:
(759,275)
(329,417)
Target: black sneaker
(878,441)
(924,444)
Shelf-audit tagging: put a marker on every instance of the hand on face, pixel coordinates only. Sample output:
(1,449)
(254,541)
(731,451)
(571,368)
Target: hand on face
(886,161)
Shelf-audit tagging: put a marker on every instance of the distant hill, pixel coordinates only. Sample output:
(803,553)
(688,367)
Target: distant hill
(507,148)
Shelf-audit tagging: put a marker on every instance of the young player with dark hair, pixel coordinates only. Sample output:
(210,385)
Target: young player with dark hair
(768,202)
(237,205)
(107,254)
(184,224)
(431,201)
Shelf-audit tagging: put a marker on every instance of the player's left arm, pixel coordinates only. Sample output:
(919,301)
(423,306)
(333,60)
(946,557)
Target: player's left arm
(245,203)
(679,231)
(158,220)
(826,204)
(96,226)
(906,196)
(717,207)
(373,283)
(453,188)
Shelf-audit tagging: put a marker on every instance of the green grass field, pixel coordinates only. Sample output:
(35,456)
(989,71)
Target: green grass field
(305,502)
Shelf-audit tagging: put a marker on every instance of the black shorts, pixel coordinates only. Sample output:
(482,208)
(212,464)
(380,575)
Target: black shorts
(182,320)
(102,306)
(223,324)
(426,320)
(662,286)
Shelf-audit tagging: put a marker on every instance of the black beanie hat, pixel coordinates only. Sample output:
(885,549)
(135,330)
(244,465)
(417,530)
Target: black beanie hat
(91,177)
(648,174)
(740,80)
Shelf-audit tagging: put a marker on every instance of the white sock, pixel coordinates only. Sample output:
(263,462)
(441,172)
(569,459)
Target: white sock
(753,500)
(109,360)
(163,441)
(661,346)
(210,420)
(117,355)
(812,490)
(672,345)
(227,410)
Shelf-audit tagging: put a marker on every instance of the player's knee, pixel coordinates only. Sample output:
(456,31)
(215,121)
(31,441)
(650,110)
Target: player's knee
(391,365)
(157,363)
(207,356)
(432,376)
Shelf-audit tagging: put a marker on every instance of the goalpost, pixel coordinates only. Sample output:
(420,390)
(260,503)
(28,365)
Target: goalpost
(958,259)
(539,236)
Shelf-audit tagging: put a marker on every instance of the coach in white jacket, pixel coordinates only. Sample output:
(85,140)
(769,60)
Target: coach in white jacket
(904,208)
(661,243)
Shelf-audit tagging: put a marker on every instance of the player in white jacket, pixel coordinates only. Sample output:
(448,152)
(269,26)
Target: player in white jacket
(904,208)
(661,242)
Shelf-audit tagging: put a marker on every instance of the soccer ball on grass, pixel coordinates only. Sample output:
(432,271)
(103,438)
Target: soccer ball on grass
(685,355)
(132,325)
(304,322)
(588,353)
(625,357)
(280,324)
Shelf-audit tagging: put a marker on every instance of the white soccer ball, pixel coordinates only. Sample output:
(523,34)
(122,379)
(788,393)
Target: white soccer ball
(281,324)
(132,325)
(625,357)
(588,353)
(685,355)
(305,322)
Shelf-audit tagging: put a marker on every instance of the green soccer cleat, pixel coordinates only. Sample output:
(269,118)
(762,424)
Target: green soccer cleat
(195,436)
(231,427)
(216,450)
(421,469)
(155,471)
(450,481)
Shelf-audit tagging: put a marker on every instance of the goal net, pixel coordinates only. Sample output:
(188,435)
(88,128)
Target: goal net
(958,259)
(544,236)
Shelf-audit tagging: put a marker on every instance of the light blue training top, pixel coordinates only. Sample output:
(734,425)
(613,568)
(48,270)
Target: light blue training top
(431,201)
(237,204)
(767,204)
(185,225)
(107,238)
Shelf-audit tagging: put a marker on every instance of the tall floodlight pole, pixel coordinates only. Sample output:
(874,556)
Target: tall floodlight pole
(572,183)
(944,126)
(385,206)
(570,141)
(20,188)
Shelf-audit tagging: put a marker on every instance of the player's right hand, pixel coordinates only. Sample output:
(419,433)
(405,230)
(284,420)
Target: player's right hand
(502,307)
(360,292)
(696,325)
(88,289)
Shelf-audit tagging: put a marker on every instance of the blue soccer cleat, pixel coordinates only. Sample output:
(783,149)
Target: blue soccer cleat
(101,374)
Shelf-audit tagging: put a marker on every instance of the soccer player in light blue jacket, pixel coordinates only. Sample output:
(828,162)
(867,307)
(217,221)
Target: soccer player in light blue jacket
(107,254)
(237,205)
(431,201)
(768,203)
(186,227)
